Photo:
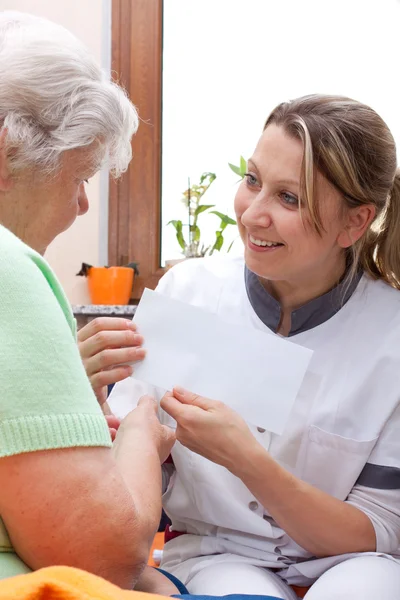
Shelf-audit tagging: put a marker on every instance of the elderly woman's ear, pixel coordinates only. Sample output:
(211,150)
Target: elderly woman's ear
(6,181)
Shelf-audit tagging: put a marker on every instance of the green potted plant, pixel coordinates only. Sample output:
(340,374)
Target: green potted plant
(189,235)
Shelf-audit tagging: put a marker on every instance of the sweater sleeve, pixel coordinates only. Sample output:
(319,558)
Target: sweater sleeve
(46,398)
(377,490)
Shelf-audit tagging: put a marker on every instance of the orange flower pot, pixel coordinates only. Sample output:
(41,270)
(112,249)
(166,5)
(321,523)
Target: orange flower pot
(112,285)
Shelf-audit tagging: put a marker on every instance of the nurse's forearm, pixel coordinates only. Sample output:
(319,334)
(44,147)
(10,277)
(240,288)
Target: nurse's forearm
(316,521)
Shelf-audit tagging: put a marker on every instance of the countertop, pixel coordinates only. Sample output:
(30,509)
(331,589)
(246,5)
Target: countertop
(104,309)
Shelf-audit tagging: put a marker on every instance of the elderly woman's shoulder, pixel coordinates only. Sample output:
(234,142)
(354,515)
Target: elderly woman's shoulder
(11,248)
(14,253)
(21,268)
(29,286)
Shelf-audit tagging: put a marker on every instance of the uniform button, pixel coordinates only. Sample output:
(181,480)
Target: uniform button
(261,429)
(253,505)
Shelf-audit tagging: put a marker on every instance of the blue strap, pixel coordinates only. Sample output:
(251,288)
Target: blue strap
(178,584)
(183,592)
(230,596)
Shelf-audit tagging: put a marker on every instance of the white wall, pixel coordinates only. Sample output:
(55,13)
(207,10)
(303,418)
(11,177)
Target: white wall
(86,240)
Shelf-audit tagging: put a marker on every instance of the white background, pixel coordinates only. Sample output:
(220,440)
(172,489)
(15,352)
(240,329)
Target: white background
(228,63)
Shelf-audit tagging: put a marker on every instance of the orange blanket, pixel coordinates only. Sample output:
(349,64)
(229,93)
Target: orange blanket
(65,583)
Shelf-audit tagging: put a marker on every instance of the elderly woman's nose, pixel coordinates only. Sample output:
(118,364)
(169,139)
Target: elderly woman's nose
(82,200)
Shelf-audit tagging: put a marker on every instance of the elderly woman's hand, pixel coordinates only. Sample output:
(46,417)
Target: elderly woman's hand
(209,428)
(113,425)
(143,423)
(106,344)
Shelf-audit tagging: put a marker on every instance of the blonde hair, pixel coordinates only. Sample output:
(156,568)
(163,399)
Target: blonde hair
(54,97)
(353,148)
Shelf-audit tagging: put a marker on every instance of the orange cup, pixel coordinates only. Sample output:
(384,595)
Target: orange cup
(112,285)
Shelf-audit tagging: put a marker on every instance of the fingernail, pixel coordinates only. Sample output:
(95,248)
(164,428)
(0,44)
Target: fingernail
(179,390)
(132,325)
(138,339)
(141,352)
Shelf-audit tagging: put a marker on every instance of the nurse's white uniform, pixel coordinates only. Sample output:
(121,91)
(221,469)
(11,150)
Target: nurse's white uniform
(343,437)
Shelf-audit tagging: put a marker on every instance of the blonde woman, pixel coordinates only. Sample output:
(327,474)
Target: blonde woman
(252,512)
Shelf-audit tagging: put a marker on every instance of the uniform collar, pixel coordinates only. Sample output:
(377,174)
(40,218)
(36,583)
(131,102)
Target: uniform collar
(306,317)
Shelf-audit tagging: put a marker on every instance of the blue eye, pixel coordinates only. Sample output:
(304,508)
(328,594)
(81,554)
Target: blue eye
(250,179)
(289,199)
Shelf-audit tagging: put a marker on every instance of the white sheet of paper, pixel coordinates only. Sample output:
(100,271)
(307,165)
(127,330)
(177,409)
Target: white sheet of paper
(255,373)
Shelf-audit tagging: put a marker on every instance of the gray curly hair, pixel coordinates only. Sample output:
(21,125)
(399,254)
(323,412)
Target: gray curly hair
(54,97)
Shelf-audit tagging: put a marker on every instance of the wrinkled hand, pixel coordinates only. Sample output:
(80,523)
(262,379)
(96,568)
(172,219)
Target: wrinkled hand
(207,427)
(143,422)
(105,344)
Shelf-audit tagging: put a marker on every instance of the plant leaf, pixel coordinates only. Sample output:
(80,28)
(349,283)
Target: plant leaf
(84,272)
(179,234)
(243,166)
(195,230)
(176,224)
(230,246)
(235,169)
(219,241)
(210,176)
(202,208)
(224,218)
(181,240)
(134,266)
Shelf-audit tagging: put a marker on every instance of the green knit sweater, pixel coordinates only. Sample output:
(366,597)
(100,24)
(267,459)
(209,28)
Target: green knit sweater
(46,398)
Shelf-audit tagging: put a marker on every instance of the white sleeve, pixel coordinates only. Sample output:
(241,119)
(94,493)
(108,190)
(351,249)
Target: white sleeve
(377,490)
(167,470)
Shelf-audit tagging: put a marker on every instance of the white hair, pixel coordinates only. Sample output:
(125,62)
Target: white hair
(54,97)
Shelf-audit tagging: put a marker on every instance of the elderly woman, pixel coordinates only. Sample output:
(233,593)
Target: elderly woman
(66,496)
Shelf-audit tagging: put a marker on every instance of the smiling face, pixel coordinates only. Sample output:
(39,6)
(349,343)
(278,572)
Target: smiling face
(280,241)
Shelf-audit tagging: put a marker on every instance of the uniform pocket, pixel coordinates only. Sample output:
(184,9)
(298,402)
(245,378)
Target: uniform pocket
(332,462)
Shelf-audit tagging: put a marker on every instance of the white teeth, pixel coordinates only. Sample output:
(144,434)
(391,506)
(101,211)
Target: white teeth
(262,242)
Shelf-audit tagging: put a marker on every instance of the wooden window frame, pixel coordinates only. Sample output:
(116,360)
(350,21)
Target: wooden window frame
(134,230)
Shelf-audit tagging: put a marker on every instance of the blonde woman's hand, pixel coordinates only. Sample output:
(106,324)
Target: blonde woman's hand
(143,423)
(106,344)
(208,427)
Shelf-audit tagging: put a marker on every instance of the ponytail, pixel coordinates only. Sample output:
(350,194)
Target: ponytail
(379,254)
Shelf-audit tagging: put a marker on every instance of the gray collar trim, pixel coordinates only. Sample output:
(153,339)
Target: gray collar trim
(306,317)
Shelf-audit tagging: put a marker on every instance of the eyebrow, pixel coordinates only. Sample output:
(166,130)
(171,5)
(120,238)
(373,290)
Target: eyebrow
(281,181)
